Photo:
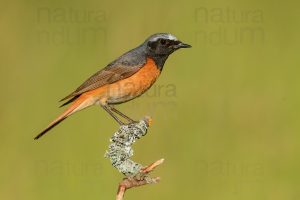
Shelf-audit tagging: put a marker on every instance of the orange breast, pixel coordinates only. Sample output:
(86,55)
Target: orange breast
(129,88)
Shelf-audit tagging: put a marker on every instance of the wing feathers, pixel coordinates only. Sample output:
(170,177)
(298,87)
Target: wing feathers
(110,74)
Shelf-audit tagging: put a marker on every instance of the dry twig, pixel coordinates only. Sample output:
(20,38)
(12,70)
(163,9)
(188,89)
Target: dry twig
(131,182)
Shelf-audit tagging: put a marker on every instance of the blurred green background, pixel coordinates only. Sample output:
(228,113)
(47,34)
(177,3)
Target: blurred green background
(226,112)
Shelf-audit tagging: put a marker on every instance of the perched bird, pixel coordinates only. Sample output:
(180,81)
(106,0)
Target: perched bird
(124,79)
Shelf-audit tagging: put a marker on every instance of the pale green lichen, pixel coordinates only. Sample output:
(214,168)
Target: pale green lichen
(120,149)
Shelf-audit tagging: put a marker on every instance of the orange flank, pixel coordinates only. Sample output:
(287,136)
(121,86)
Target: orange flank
(129,88)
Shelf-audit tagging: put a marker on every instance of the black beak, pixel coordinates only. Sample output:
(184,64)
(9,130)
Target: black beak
(183,45)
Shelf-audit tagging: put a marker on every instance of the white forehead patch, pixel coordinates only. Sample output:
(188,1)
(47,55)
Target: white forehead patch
(172,37)
(165,36)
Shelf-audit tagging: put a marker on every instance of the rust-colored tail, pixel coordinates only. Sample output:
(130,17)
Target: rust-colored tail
(63,116)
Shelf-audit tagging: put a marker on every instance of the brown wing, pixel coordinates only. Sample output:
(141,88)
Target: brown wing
(110,74)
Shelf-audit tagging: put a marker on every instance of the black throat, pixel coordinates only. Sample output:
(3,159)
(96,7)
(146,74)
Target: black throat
(159,60)
(142,53)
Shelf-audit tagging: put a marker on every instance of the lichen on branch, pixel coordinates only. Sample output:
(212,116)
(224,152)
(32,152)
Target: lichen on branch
(120,150)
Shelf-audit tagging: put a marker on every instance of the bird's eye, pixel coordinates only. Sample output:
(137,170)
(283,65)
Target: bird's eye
(163,42)
(176,42)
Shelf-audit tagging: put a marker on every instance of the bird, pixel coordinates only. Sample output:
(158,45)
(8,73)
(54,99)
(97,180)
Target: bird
(124,79)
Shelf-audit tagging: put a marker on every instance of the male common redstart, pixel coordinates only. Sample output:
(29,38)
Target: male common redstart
(124,79)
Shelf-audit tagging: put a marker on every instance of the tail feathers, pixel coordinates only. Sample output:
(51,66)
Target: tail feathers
(77,105)
(67,97)
(52,125)
(69,101)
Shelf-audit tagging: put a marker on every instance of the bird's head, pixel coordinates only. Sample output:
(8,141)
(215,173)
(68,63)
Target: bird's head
(163,44)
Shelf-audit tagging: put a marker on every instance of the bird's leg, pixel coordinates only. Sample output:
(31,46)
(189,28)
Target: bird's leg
(108,109)
(122,114)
